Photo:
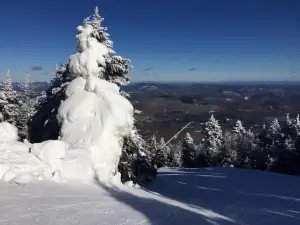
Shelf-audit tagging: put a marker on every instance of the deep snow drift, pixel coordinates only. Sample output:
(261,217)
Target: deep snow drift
(94,118)
(208,196)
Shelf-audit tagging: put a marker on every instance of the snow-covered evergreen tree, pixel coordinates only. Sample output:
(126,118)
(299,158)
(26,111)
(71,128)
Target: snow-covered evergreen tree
(135,159)
(288,127)
(175,155)
(9,105)
(275,140)
(274,128)
(212,140)
(296,126)
(230,149)
(117,67)
(26,106)
(283,160)
(201,159)
(44,124)
(188,152)
(239,128)
(297,145)
(162,154)
(152,146)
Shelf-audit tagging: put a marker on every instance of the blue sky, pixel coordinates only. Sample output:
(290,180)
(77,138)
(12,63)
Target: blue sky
(182,40)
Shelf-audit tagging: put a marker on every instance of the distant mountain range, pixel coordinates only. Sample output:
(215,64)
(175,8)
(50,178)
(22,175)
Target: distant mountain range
(41,86)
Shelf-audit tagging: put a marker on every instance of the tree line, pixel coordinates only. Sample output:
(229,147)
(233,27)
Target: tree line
(275,148)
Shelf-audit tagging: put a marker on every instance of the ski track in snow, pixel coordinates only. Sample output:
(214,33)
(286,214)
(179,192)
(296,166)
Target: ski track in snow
(178,196)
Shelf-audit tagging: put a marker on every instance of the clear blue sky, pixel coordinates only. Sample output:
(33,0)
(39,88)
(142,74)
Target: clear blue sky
(182,40)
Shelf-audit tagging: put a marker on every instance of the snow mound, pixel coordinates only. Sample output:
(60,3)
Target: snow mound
(8,132)
(95,119)
(16,161)
(48,151)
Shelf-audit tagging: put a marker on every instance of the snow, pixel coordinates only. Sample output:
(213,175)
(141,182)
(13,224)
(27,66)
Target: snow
(16,161)
(94,118)
(48,151)
(8,132)
(205,196)
(90,54)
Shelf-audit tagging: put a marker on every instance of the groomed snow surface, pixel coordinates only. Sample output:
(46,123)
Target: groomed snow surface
(209,196)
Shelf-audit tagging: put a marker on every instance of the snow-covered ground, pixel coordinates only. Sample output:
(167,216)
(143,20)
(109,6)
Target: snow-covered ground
(178,196)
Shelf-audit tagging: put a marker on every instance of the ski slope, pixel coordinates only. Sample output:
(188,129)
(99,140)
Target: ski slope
(178,196)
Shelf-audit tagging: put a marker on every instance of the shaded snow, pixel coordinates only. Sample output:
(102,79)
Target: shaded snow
(178,196)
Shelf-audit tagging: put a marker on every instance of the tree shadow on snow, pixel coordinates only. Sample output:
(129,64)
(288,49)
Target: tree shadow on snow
(162,211)
(248,197)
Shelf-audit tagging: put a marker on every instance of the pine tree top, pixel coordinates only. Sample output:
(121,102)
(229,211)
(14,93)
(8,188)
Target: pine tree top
(188,138)
(7,83)
(239,128)
(288,120)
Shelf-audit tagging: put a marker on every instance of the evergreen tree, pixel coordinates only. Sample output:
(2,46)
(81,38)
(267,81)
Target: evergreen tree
(239,128)
(188,152)
(248,155)
(162,154)
(44,125)
(297,126)
(274,129)
(9,105)
(201,159)
(275,140)
(297,145)
(153,147)
(175,155)
(117,67)
(229,153)
(27,107)
(288,128)
(212,140)
(135,160)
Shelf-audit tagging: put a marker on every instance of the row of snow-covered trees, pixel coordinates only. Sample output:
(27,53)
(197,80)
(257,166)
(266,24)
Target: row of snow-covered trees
(275,148)
(17,107)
